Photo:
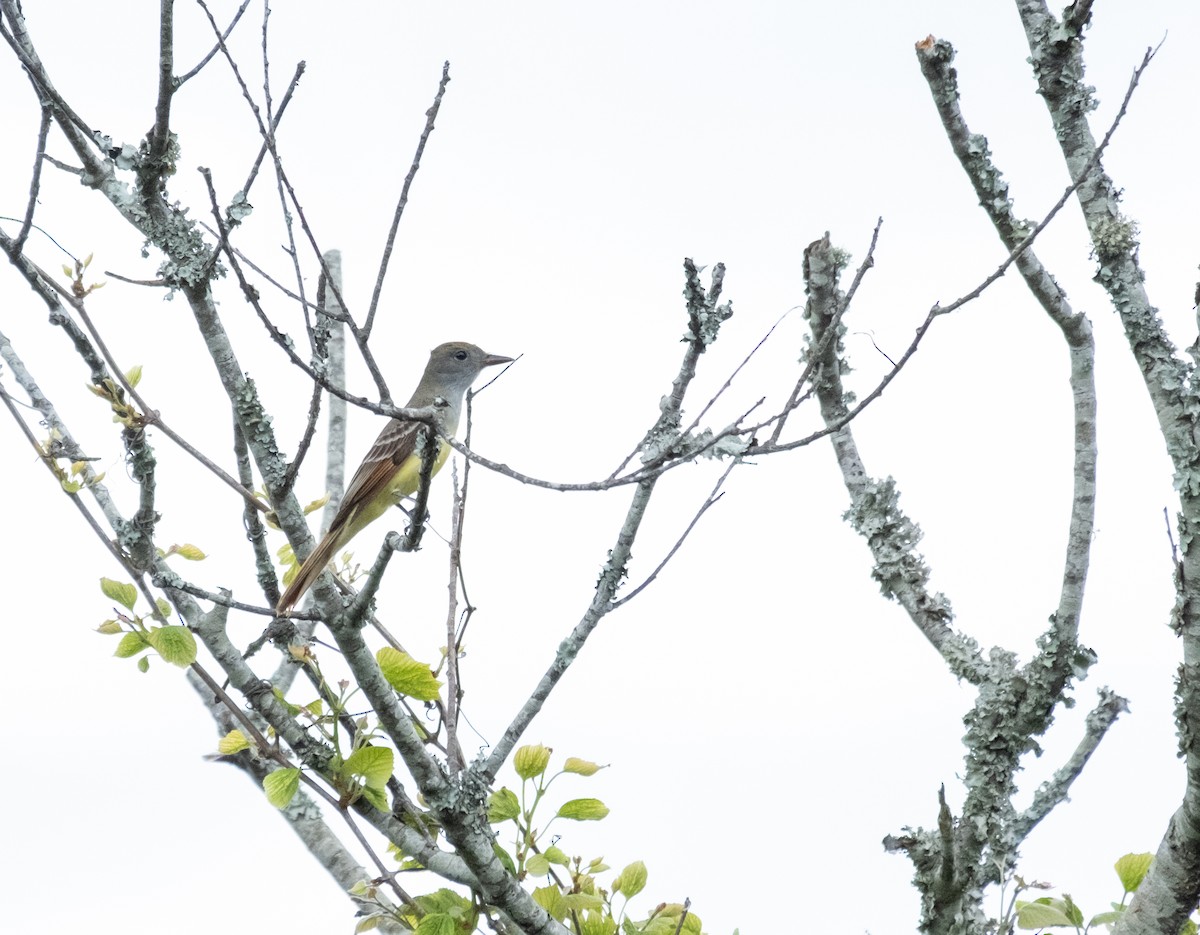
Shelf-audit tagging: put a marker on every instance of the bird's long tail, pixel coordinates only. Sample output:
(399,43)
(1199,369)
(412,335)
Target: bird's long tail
(317,559)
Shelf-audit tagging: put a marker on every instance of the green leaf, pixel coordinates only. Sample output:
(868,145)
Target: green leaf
(583,810)
(503,805)
(446,901)
(292,709)
(531,760)
(163,608)
(233,742)
(374,764)
(550,898)
(597,923)
(190,552)
(133,376)
(556,855)
(1132,869)
(584,901)
(407,676)
(505,858)
(281,786)
(377,797)
(109,628)
(1074,913)
(631,880)
(537,865)
(131,644)
(581,767)
(367,923)
(1039,914)
(437,923)
(119,591)
(311,508)
(175,644)
(667,921)
(1106,918)
(143,664)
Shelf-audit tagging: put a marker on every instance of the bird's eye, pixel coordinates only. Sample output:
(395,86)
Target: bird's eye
(460,355)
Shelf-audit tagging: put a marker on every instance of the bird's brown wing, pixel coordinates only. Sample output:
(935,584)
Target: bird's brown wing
(395,443)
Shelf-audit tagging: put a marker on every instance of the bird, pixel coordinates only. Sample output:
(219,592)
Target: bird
(391,470)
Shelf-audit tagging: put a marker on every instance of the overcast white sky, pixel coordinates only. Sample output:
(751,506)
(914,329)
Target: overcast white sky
(768,717)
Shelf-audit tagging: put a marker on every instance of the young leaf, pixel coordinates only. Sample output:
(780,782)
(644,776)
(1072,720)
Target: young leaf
(408,676)
(233,742)
(537,865)
(1132,869)
(1072,912)
(175,644)
(109,628)
(131,644)
(377,797)
(550,898)
(119,591)
(190,552)
(315,505)
(143,664)
(374,764)
(437,923)
(577,901)
(531,760)
(581,767)
(1038,914)
(506,859)
(556,855)
(281,786)
(503,805)
(666,922)
(631,880)
(583,810)
(133,376)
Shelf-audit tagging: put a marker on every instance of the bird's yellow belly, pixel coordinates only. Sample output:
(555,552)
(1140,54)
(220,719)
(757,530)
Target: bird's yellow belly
(404,484)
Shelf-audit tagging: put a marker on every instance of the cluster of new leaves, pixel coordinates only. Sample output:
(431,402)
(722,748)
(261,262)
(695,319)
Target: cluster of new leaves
(175,644)
(1063,912)
(361,766)
(572,893)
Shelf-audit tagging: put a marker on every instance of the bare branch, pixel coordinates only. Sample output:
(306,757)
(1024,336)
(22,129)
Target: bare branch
(430,116)
(35,181)
(216,48)
(156,163)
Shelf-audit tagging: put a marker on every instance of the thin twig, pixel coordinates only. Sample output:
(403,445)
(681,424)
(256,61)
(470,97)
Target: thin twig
(709,501)
(430,116)
(216,48)
(35,181)
(939,310)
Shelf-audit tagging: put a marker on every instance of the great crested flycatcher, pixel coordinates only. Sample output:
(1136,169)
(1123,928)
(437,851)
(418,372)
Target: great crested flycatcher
(392,468)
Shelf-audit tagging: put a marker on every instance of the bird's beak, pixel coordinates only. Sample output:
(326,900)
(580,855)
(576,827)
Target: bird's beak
(492,359)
